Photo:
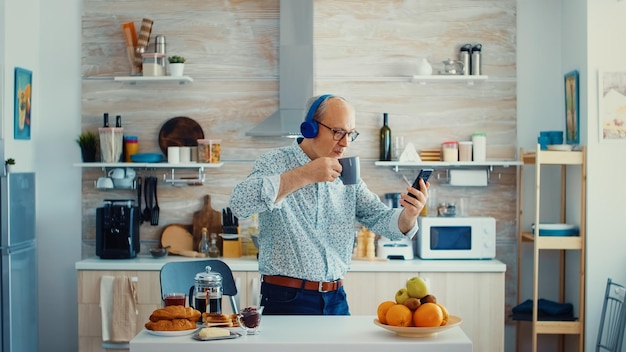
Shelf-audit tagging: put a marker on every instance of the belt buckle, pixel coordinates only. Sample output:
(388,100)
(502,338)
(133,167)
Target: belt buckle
(320,287)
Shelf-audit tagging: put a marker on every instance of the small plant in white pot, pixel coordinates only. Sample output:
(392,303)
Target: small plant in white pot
(177,65)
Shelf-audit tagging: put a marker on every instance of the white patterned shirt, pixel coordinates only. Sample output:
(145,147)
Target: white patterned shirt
(310,233)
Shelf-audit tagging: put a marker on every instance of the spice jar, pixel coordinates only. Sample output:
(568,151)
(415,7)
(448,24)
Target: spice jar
(479,140)
(153,64)
(450,151)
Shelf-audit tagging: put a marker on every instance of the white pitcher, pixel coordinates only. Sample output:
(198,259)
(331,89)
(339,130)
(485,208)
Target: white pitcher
(424,68)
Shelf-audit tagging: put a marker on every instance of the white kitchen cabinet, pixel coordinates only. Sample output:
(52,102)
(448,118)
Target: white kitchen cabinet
(472,290)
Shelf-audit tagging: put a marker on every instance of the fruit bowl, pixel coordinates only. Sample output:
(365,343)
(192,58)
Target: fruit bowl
(412,331)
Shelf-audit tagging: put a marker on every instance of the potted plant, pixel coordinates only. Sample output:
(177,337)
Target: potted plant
(7,164)
(177,65)
(88,143)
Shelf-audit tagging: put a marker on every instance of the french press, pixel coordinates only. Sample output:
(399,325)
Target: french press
(206,295)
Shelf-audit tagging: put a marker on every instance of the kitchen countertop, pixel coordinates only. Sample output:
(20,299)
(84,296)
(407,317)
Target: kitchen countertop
(311,333)
(148,263)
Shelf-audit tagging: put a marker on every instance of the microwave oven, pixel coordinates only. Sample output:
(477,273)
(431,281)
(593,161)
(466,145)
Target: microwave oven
(454,237)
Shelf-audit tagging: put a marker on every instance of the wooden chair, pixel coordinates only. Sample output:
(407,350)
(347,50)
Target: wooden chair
(613,319)
(179,277)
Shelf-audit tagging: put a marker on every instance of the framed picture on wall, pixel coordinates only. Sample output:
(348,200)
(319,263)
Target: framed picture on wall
(612,106)
(23,102)
(572,110)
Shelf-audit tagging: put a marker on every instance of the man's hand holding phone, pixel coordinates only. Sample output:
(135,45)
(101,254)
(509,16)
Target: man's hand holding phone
(423,175)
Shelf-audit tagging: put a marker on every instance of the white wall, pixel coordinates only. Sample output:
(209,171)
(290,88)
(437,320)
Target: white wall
(44,37)
(59,190)
(606,167)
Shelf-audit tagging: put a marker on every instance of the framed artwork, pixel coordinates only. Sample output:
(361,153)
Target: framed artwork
(23,102)
(572,110)
(612,106)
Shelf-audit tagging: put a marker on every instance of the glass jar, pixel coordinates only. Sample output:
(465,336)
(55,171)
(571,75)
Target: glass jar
(450,151)
(479,140)
(153,64)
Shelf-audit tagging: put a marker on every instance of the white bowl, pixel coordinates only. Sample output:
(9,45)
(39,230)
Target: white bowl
(123,182)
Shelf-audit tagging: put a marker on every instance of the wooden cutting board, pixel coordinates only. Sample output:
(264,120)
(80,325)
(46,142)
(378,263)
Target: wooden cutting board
(179,131)
(178,238)
(209,218)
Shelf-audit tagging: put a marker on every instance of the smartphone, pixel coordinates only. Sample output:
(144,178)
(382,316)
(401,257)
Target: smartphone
(424,175)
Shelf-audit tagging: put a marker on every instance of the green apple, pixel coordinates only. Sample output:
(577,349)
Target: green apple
(416,287)
(402,295)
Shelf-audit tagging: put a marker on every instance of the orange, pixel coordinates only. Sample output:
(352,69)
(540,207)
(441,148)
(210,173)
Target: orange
(428,315)
(383,307)
(445,314)
(399,315)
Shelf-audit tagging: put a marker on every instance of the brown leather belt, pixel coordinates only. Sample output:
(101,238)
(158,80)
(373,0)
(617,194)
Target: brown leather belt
(318,286)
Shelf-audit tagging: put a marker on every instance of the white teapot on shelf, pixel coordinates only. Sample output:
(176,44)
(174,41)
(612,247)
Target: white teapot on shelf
(424,68)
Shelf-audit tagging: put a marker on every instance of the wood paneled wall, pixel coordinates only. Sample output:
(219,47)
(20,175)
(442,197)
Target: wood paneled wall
(364,51)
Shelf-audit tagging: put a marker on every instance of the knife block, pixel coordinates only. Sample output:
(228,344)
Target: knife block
(232,248)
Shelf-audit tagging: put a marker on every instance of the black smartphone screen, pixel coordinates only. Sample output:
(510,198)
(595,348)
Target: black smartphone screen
(424,175)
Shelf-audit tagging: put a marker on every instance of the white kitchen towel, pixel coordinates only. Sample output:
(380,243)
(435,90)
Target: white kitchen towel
(106,305)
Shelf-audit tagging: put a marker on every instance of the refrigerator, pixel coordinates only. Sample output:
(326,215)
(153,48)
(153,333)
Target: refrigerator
(18,247)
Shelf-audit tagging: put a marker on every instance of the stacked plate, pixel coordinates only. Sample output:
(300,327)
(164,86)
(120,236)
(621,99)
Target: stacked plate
(556,230)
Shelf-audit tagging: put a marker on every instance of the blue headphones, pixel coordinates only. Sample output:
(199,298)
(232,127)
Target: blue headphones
(309,128)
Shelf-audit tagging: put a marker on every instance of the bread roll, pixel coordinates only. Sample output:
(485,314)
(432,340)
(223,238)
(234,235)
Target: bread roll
(170,325)
(175,312)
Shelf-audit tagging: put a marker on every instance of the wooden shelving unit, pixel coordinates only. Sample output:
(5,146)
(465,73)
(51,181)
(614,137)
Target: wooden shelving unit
(567,160)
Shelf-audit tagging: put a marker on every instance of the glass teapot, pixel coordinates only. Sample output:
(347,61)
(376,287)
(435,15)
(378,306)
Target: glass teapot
(206,294)
(452,67)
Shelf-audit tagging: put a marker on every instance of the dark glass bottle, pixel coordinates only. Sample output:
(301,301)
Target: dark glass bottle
(118,121)
(105,120)
(385,140)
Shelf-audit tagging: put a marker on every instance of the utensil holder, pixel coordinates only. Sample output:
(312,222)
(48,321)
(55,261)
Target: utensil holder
(111,143)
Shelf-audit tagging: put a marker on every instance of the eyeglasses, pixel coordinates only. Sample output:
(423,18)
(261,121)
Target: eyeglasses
(340,134)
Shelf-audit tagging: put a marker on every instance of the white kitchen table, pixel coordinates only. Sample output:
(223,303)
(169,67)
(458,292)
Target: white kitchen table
(311,333)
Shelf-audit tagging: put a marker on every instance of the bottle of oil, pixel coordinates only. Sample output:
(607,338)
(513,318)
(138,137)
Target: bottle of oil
(214,252)
(385,140)
(203,246)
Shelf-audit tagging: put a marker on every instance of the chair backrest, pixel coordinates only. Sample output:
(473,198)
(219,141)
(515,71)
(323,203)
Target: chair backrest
(179,277)
(613,319)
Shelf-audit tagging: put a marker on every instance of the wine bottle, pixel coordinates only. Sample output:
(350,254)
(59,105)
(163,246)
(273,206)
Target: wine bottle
(385,140)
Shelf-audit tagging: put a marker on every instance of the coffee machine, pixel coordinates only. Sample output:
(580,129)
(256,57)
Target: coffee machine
(117,229)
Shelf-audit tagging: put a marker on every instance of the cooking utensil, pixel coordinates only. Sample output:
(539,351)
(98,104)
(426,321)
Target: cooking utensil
(179,131)
(209,218)
(139,186)
(147,212)
(155,209)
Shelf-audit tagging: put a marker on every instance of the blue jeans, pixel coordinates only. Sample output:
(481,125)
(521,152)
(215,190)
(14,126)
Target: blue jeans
(280,300)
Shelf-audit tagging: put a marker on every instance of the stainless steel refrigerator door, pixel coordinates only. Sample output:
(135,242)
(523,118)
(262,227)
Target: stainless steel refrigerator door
(17,201)
(19,298)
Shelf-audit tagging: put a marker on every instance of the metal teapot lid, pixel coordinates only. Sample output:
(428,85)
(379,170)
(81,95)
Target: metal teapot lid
(209,277)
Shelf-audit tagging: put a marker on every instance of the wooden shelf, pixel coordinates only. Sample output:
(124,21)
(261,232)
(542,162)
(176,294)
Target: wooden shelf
(564,244)
(153,79)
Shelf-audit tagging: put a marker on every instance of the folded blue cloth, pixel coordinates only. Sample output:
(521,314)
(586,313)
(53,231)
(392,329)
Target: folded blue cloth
(546,310)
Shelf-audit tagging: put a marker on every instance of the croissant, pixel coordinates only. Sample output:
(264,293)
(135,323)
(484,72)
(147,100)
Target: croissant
(170,325)
(175,312)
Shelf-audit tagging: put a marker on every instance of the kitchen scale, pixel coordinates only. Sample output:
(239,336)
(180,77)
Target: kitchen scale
(400,249)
